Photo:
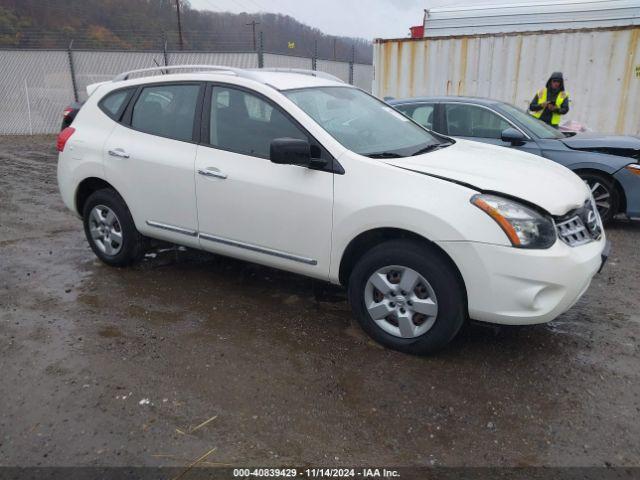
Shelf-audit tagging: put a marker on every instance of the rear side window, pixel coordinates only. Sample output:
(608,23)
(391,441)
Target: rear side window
(114,103)
(166,110)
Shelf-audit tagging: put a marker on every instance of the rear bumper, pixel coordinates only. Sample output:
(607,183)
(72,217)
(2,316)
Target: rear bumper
(518,287)
(66,183)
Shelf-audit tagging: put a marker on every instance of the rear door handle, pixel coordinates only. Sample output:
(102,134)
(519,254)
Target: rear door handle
(212,172)
(118,152)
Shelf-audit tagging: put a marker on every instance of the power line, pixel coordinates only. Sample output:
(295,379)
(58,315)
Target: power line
(241,5)
(260,7)
(214,7)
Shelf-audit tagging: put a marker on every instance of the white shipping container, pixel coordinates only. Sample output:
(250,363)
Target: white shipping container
(601,69)
(530,17)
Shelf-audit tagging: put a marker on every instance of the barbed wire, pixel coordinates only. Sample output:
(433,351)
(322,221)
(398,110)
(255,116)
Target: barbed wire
(131,39)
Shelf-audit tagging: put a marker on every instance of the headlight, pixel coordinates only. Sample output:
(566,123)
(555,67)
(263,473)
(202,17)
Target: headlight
(633,168)
(524,227)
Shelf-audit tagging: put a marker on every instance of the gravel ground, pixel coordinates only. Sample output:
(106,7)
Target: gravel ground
(117,367)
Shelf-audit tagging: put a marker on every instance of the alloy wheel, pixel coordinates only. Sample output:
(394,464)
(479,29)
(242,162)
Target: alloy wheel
(106,230)
(601,195)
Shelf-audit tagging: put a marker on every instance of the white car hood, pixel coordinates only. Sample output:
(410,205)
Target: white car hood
(491,168)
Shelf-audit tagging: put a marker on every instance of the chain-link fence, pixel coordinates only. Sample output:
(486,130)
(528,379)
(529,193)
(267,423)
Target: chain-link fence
(34,88)
(36,85)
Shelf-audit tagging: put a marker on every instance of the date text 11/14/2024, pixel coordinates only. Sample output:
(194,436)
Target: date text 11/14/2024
(315,473)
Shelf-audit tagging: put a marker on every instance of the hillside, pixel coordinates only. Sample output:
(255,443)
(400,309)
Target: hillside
(146,24)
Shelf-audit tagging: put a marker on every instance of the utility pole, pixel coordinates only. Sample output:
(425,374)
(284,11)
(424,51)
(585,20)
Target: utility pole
(179,25)
(261,51)
(253,24)
(351,63)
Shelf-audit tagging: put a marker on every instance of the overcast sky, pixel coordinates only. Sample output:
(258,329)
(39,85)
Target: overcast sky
(362,18)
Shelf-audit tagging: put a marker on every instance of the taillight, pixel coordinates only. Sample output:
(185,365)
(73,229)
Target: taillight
(63,136)
(67,111)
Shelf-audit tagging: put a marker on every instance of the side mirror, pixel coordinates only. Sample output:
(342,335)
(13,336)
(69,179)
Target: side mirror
(293,151)
(290,151)
(513,136)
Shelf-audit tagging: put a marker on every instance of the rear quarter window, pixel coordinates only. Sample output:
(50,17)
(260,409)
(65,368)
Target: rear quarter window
(114,103)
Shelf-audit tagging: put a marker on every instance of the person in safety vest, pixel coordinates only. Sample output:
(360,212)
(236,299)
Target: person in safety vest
(551,102)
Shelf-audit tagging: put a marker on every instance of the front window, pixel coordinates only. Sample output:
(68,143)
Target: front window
(465,120)
(421,113)
(244,123)
(539,128)
(362,123)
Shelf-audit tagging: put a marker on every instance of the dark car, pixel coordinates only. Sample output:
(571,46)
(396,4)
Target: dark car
(610,164)
(69,114)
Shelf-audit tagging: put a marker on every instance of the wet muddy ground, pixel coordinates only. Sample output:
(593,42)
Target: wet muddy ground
(104,366)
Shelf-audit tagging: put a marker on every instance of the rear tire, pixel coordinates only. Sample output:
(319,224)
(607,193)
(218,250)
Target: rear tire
(110,229)
(604,192)
(425,301)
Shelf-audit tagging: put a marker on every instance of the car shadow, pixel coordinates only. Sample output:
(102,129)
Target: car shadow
(279,292)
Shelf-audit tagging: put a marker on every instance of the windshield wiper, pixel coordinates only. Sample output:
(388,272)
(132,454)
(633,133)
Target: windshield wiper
(430,148)
(384,155)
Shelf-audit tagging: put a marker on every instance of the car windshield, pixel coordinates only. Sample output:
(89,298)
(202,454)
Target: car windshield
(364,124)
(539,128)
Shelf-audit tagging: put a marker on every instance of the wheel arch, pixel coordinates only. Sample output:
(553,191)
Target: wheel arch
(623,199)
(362,243)
(86,188)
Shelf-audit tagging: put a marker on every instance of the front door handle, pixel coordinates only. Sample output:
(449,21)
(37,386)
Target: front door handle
(212,172)
(118,152)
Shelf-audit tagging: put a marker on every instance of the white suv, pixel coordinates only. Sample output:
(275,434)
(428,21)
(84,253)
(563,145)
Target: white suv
(299,171)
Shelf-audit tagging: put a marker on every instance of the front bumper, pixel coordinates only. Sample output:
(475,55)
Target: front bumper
(515,286)
(630,184)
(604,256)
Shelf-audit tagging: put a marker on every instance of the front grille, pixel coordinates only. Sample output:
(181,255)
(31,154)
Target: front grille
(573,232)
(580,226)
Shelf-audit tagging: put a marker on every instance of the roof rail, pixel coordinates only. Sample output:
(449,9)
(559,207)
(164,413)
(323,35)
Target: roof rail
(240,72)
(304,71)
(167,68)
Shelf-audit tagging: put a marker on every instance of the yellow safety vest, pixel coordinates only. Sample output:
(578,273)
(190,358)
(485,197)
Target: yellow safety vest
(542,97)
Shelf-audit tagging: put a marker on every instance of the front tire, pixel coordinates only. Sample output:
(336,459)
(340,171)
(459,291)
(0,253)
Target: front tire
(110,229)
(605,194)
(407,296)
